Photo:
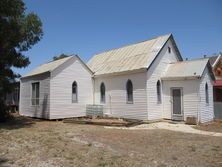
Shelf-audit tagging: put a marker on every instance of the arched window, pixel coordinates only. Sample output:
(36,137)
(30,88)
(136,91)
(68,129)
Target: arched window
(158,90)
(74,92)
(206,93)
(102,93)
(129,91)
(169,49)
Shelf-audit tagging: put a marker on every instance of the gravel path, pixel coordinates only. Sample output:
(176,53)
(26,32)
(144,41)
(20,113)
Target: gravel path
(179,127)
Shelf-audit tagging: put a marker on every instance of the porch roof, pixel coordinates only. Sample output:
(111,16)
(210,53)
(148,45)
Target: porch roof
(186,69)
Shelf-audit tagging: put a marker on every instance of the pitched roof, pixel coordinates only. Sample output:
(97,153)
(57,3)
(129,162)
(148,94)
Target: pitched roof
(48,67)
(212,60)
(52,65)
(132,57)
(186,69)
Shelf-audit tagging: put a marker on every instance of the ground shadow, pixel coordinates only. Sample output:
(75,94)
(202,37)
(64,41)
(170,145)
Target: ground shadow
(17,122)
(3,161)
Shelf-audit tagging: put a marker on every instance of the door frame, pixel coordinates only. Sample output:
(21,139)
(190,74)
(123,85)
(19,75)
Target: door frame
(177,117)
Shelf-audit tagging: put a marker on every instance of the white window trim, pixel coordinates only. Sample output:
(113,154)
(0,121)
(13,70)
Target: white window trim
(75,101)
(206,94)
(101,101)
(36,105)
(127,101)
(159,96)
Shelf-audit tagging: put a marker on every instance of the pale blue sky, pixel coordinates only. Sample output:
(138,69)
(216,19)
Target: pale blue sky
(87,27)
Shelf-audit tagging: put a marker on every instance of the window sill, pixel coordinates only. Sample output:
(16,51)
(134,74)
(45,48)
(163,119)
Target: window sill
(35,105)
(129,102)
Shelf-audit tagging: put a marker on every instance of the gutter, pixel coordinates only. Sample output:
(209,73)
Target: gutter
(144,69)
(28,76)
(180,78)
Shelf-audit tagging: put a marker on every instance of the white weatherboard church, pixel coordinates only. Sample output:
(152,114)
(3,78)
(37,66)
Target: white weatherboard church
(147,81)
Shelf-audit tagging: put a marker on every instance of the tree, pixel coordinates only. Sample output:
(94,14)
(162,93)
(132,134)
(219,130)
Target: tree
(61,56)
(18,33)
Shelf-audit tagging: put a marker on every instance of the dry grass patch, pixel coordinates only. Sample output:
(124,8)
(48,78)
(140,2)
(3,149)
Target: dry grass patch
(54,143)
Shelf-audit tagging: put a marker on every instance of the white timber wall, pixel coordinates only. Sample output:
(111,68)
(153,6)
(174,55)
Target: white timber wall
(62,78)
(206,109)
(190,97)
(116,104)
(158,69)
(25,106)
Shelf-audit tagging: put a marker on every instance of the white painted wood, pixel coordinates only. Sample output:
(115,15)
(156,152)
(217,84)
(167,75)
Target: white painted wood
(116,97)
(190,97)
(61,105)
(206,110)
(56,91)
(158,69)
(25,107)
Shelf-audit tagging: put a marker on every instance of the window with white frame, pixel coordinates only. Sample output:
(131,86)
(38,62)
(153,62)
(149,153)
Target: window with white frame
(74,92)
(35,93)
(206,93)
(158,90)
(169,49)
(102,93)
(129,91)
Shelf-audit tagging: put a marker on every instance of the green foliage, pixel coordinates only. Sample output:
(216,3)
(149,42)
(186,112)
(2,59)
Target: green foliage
(61,56)
(18,33)
(4,112)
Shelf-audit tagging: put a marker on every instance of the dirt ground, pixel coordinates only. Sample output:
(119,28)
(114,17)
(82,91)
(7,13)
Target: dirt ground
(33,142)
(215,126)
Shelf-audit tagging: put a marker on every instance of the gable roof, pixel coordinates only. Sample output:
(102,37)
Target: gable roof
(128,58)
(187,69)
(214,60)
(52,65)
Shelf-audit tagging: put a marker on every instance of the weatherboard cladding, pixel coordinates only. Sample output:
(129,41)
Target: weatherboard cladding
(25,107)
(189,94)
(158,69)
(206,109)
(61,81)
(128,58)
(116,98)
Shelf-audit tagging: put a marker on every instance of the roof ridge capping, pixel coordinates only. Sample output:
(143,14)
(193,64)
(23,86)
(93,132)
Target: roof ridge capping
(68,56)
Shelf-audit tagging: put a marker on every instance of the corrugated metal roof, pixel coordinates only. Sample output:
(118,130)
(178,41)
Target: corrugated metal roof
(186,69)
(131,57)
(48,67)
